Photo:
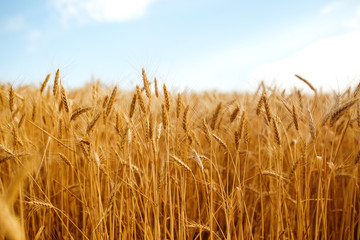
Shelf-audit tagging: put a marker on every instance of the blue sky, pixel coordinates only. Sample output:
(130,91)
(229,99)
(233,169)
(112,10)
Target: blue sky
(196,45)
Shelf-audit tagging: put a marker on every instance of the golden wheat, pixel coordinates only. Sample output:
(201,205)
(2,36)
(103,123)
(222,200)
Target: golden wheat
(217,166)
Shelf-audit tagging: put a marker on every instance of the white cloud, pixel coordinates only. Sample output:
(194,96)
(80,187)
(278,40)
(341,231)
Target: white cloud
(331,63)
(15,23)
(102,10)
(353,22)
(331,7)
(34,35)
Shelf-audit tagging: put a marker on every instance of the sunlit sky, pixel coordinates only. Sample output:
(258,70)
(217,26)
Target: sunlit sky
(228,45)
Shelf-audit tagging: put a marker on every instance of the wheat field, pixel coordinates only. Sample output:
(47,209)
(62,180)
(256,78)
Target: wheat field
(102,163)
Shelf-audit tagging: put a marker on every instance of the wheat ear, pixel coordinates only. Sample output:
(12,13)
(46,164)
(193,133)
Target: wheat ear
(295,118)
(43,85)
(156,88)
(11,98)
(64,99)
(132,106)
(146,84)
(215,116)
(141,99)
(167,98)
(111,101)
(234,114)
(77,112)
(93,122)
(179,104)
(56,83)
(307,83)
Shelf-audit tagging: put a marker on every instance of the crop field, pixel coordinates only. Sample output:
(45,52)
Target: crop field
(99,162)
